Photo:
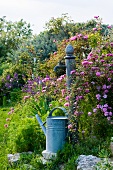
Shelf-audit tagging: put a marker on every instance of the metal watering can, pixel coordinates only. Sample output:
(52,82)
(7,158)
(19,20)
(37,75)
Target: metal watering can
(56,130)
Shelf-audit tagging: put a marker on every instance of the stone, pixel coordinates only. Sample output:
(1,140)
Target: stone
(87,162)
(14,158)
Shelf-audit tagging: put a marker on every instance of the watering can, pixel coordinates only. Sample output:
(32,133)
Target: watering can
(55,130)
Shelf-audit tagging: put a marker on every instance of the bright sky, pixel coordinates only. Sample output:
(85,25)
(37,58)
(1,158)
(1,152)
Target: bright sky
(38,12)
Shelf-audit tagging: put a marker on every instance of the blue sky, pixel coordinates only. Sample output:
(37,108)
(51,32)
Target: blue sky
(38,12)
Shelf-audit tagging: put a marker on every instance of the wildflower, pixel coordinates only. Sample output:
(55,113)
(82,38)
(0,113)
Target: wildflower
(89,113)
(63,92)
(72,72)
(98,96)
(67,98)
(76,113)
(6,125)
(70,126)
(94,29)
(98,74)
(105,105)
(105,96)
(94,110)
(50,105)
(55,53)
(108,118)
(105,113)
(109,27)
(9,113)
(108,87)
(104,86)
(104,109)
(85,37)
(87,90)
(110,113)
(109,79)
(73,38)
(26,97)
(96,17)
(43,91)
(67,104)
(8,119)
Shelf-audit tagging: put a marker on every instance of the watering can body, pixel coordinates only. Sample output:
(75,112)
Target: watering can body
(55,130)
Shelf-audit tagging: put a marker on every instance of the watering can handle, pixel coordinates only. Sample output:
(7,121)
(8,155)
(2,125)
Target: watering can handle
(61,108)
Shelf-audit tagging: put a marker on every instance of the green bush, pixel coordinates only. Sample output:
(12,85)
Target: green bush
(26,135)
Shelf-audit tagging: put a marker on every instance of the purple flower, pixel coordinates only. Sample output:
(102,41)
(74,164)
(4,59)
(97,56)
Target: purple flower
(110,113)
(105,105)
(98,74)
(104,109)
(89,113)
(109,79)
(98,96)
(94,110)
(105,113)
(108,118)
(105,96)
(104,86)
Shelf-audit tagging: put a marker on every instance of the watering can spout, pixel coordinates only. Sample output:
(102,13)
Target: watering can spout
(41,124)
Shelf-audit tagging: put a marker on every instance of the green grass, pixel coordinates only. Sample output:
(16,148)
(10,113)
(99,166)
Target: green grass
(3,137)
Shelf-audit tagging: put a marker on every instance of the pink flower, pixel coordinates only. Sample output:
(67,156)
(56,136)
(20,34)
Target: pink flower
(89,56)
(94,29)
(70,126)
(109,27)
(43,91)
(6,125)
(73,38)
(72,72)
(55,53)
(26,97)
(85,37)
(67,98)
(96,17)
(63,92)
(50,105)
(98,74)
(8,119)
(67,104)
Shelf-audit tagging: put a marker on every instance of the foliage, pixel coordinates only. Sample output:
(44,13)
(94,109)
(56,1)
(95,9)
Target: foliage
(12,35)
